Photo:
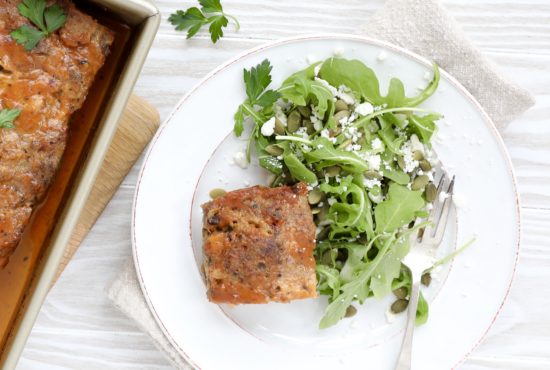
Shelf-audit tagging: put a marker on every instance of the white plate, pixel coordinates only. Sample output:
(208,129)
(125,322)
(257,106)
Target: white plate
(191,154)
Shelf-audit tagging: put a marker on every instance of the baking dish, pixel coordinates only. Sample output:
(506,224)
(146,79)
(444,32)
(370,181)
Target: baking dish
(37,258)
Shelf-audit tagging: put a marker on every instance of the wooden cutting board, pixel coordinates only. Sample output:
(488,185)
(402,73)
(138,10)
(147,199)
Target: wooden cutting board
(137,126)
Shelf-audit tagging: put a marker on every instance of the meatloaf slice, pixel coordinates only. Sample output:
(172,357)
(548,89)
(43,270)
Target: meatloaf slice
(48,84)
(258,246)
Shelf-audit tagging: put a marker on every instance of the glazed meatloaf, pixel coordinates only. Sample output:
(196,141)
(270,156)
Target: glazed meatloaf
(47,84)
(258,246)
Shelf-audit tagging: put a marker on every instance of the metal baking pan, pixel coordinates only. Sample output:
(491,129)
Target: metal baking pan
(139,21)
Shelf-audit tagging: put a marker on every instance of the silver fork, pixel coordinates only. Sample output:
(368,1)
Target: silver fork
(421,257)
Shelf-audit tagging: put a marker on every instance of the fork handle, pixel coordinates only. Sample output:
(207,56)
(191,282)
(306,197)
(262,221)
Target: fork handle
(405,357)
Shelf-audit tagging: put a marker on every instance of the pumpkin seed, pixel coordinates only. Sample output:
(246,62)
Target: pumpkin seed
(333,171)
(314,211)
(350,311)
(345,144)
(215,193)
(426,279)
(371,174)
(401,293)
(425,165)
(304,111)
(431,192)
(323,213)
(274,150)
(399,306)
(401,163)
(315,196)
(341,115)
(340,105)
(420,182)
(294,121)
(310,129)
(322,236)
(279,127)
(417,155)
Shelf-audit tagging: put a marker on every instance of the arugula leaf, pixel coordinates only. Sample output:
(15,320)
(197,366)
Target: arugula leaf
(424,126)
(398,208)
(422,311)
(193,19)
(360,78)
(46,19)
(328,154)
(7,116)
(298,170)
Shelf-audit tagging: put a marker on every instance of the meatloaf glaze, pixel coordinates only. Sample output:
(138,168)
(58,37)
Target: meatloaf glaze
(258,246)
(48,84)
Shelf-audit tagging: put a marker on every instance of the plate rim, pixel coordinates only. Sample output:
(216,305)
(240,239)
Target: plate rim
(325,36)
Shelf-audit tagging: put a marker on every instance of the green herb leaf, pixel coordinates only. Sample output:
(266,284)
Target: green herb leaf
(27,36)
(422,311)
(424,126)
(331,156)
(298,170)
(55,18)
(46,19)
(8,116)
(397,209)
(192,19)
(257,79)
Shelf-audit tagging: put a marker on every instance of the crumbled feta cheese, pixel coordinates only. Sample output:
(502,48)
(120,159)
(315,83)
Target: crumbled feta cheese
(302,131)
(345,94)
(371,183)
(376,144)
(410,163)
(355,147)
(320,146)
(416,145)
(427,76)
(268,128)
(338,51)
(325,83)
(240,160)
(331,201)
(442,196)
(316,69)
(374,162)
(246,183)
(364,109)
(382,56)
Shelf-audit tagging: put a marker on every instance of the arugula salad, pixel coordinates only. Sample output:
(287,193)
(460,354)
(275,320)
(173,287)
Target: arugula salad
(367,160)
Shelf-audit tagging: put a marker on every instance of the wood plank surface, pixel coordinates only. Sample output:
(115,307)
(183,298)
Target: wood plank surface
(79,329)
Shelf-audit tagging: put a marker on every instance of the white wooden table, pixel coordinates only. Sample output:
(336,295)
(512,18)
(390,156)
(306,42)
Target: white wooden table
(79,329)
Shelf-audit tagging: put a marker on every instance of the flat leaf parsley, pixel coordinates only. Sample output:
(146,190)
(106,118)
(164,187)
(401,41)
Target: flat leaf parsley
(211,12)
(46,19)
(7,116)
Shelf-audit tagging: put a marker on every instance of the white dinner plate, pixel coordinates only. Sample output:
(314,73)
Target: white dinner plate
(192,154)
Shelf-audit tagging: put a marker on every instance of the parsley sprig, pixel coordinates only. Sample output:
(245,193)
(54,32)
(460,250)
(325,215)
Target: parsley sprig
(47,20)
(211,12)
(7,116)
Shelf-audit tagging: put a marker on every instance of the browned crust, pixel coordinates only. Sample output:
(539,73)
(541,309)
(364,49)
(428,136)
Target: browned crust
(258,246)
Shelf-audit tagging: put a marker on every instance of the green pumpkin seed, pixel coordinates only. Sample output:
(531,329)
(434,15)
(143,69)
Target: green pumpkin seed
(420,182)
(215,193)
(315,211)
(322,236)
(323,213)
(310,129)
(371,174)
(401,293)
(373,127)
(426,279)
(294,121)
(399,306)
(315,196)
(417,155)
(304,111)
(340,105)
(401,163)
(333,171)
(431,192)
(425,165)
(274,150)
(279,127)
(345,144)
(350,311)
(341,115)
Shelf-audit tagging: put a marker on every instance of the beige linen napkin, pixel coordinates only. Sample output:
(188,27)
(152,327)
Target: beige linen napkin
(422,26)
